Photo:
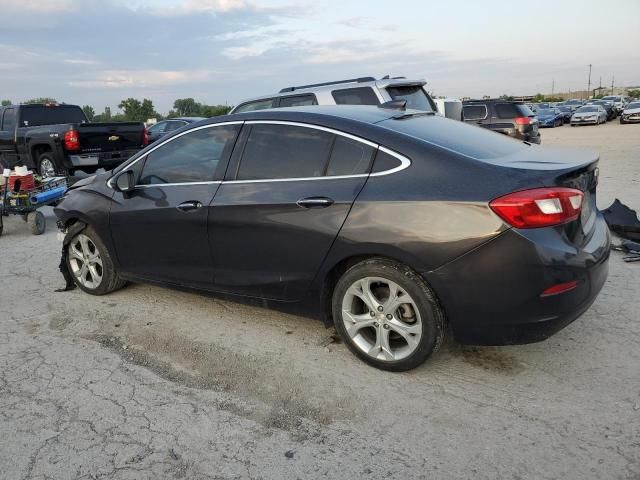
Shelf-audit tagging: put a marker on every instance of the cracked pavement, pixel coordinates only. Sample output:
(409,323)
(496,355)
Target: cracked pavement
(151,383)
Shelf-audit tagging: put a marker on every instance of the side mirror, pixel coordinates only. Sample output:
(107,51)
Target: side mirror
(125,182)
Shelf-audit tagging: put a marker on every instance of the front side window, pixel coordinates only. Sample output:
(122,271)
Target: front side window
(9,119)
(355,96)
(253,106)
(192,157)
(284,151)
(474,112)
(298,101)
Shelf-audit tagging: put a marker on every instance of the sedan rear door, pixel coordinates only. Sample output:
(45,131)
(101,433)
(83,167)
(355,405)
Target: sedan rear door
(287,192)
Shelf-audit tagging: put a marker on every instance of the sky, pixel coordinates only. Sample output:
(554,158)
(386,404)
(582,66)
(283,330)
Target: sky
(98,52)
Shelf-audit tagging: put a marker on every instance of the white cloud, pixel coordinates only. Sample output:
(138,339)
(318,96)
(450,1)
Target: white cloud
(35,5)
(140,78)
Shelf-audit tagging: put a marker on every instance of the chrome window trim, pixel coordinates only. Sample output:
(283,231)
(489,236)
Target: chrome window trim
(404,161)
(164,142)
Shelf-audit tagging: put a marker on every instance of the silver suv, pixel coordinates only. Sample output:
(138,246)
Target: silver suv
(355,91)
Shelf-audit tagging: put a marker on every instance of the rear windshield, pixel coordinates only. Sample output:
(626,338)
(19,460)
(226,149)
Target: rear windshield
(33,116)
(588,108)
(512,110)
(460,137)
(415,96)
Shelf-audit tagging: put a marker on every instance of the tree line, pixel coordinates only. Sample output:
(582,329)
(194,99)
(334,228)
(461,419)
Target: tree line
(134,110)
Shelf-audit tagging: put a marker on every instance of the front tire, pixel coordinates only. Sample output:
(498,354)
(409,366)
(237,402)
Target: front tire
(90,264)
(387,315)
(37,223)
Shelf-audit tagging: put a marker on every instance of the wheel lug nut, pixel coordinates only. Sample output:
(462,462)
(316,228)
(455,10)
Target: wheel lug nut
(389,316)
(380,308)
(375,324)
(386,327)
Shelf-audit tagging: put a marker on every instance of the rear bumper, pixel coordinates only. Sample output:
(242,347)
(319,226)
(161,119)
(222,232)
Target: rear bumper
(492,295)
(106,160)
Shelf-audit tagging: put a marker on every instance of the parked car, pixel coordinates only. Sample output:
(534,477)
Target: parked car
(589,114)
(164,127)
(57,139)
(619,102)
(573,103)
(631,113)
(567,111)
(389,223)
(608,106)
(550,117)
(514,119)
(355,91)
(542,105)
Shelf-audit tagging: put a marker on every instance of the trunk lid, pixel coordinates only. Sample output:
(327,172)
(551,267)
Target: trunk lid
(109,137)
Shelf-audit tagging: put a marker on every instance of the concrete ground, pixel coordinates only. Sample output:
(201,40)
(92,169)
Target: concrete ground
(150,383)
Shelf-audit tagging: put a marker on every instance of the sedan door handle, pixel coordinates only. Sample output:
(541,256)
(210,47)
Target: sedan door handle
(189,206)
(315,202)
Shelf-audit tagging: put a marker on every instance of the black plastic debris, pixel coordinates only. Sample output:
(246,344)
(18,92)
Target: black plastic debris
(632,248)
(622,220)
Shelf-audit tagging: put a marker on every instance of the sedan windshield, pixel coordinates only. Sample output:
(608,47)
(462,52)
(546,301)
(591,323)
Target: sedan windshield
(546,112)
(633,105)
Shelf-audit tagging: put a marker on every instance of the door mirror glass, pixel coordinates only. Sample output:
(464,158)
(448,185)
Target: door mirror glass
(125,182)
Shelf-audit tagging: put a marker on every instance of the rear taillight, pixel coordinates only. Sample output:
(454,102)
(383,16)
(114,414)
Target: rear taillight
(71,140)
(145,137)
(559,288)
(523,121)
(539,207)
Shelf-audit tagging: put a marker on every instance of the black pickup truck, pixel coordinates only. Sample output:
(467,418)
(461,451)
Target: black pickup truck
(58,140)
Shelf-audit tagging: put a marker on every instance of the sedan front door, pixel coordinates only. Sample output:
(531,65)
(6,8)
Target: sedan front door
(160,229)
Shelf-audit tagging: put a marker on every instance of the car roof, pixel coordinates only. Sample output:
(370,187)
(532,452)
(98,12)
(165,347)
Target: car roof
(354,83)
(358,113)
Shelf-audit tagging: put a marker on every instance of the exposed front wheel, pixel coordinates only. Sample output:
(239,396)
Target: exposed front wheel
(387,315)
(90,264)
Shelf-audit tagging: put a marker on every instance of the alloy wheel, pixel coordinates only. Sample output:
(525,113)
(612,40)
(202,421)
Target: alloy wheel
(381,319)
(85,262)
(47,169)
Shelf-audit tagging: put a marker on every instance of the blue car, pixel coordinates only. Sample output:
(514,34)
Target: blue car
(550,117)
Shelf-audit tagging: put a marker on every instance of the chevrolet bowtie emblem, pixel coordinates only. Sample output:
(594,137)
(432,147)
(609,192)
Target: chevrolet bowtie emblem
(114,138)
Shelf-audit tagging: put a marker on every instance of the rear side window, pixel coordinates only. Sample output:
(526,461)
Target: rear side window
(34,116)
(474,112)
(159,127)
(385,162)
(284,151)
(349,157)
(298,101)
(415,96)
(9,119)
(253,106)
(512,110)
(355,96)
(192,157)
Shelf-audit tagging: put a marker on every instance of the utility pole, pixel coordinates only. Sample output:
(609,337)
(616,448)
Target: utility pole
(589,83)
(553,85)
(612,80)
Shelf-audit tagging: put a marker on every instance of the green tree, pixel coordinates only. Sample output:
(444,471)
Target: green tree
(635,93)
(214,110)
(137,111)
(89,112)
(187,107)
(41,100)
(6,103)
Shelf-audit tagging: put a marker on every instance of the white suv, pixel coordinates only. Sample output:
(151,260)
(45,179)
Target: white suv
(355,91)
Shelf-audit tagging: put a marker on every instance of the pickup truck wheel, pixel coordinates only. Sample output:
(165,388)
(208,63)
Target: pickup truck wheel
(47,166)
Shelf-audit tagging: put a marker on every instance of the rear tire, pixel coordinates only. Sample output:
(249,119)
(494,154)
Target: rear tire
(48,167)
(37,222)
(91,265)
(387,315)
